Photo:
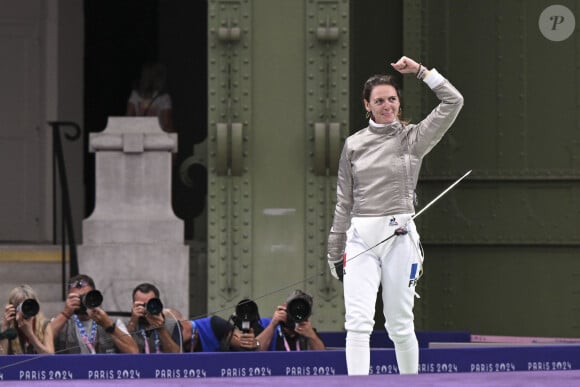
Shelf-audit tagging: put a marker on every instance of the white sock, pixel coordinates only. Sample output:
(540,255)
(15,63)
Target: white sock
(358,353)
(407,353)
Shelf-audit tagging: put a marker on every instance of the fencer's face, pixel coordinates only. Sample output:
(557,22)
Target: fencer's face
(384,104)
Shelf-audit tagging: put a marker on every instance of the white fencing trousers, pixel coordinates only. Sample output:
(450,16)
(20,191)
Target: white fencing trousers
(395,265)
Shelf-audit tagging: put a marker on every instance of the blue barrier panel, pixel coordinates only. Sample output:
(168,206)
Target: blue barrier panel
(501,359)
(305,363)
(380,339)
(196,365)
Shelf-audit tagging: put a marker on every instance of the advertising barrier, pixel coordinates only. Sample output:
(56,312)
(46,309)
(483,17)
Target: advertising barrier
(304,363)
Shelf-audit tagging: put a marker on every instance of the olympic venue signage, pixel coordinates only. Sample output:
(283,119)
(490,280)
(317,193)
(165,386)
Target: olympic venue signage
(259,364)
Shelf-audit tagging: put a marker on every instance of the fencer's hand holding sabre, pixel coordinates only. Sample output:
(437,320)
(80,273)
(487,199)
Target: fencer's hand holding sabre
(336,270)
(336,245)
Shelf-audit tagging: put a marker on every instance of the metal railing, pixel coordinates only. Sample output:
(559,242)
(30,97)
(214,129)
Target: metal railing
(59,178)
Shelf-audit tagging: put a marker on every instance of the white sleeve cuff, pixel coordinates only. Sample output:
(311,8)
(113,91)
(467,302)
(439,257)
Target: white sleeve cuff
(433,78)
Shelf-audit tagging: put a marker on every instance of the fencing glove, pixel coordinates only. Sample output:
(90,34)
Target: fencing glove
(336,245)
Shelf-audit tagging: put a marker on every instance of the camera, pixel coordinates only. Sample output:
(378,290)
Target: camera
(154,306)
(29,308)
(246,315)
(298,308)
(92,299)
(89,300)
(9,334)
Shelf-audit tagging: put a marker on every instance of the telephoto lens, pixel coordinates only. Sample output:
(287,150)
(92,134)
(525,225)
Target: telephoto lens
(92,299)
(29,308)
(298,307)
(154,306)
(246,314)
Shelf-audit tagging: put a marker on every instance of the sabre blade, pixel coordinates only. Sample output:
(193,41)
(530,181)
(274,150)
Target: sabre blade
(441,194)
(414,216)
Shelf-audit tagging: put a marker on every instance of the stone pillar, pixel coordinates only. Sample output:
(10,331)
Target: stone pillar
(133,236)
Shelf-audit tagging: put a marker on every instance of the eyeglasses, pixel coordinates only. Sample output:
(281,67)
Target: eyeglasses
(78,284)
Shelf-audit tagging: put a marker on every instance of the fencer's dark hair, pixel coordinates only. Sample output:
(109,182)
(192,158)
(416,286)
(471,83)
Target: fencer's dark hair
(380,79)
(145,288)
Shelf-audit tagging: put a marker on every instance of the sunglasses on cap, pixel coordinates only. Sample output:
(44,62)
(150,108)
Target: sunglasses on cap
(78,284)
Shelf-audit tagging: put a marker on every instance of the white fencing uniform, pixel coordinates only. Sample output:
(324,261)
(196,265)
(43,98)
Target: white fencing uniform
(396,265)
(378,172)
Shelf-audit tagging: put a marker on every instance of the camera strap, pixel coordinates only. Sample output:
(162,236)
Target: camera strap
(287,345)
(146,341)
(88,340)
(285,340)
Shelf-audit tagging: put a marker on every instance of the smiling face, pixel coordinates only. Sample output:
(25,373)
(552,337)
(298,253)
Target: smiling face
(383,104)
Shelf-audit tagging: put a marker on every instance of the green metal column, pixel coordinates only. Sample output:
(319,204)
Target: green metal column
(278,108)
(229,120)
(327,80)
(502,250)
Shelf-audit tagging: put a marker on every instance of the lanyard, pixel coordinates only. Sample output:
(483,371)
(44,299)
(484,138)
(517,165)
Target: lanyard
(146,340)
(88,340)
(286,344)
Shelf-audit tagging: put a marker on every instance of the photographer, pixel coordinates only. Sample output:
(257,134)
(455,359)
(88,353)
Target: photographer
(290,328)
(206,334)
(84,327)
(247,326)
(23,329)
(148,324)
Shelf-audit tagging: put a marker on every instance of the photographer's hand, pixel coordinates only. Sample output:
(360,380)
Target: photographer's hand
(280,315)
(9,315)
(99,316)
(305,329)
(137,310)
(123,341)
(72,303)
(248,340)
(27,327)
(155,320)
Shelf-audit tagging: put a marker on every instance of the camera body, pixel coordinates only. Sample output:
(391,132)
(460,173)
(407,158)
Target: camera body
(246,315)
(298,308)
(29,308)
(9,334)
(154,306)
(89,300)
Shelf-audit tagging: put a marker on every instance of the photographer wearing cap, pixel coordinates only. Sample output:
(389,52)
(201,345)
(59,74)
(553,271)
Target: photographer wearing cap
(23,329)
(84,327)
(148,324)
(206,334)
(290,328)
